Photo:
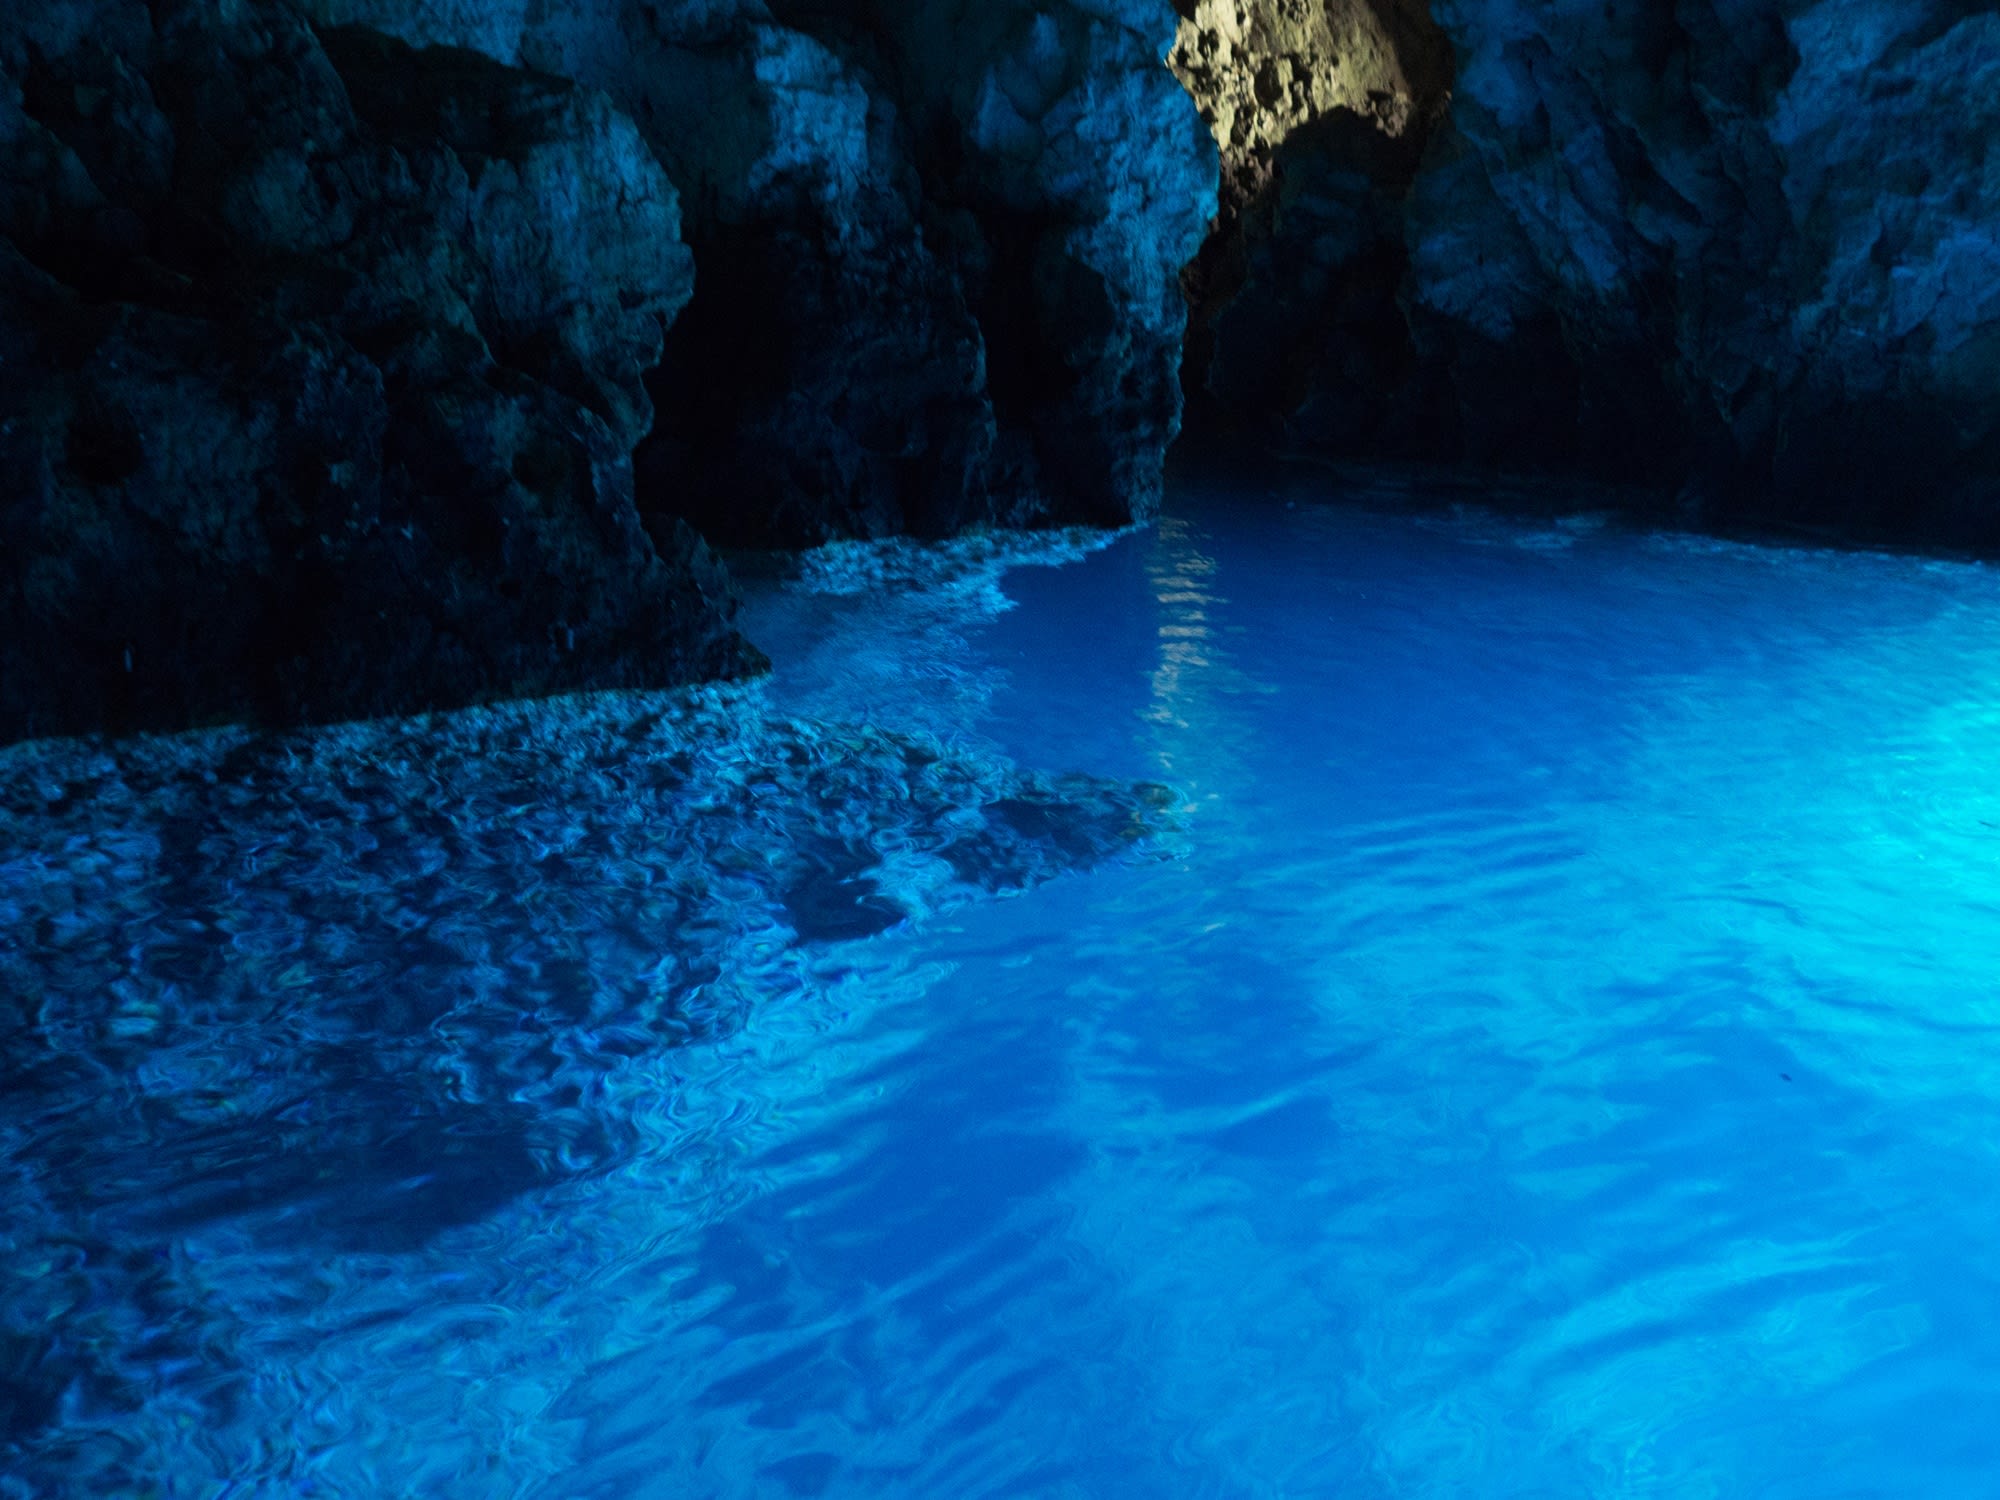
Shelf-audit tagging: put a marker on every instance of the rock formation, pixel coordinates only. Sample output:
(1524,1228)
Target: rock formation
(1360,83)
(320,371)
(1740,254)
(938,244)
(360,355)
(1261,70)
(330,329)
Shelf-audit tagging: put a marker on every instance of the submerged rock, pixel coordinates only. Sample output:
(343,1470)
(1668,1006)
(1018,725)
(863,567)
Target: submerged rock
(420,953)
(347,994)
(358,988)
(320,368)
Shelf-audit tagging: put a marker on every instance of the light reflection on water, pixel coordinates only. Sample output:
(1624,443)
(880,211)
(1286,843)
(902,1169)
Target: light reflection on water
(1559,1060)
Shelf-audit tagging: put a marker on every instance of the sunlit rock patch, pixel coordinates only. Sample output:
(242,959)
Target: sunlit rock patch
(1261,69)
(1301,95)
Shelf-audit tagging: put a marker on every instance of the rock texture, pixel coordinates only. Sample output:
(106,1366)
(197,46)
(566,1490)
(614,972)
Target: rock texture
(1360,83)
(1262,70)
(1744,254)
(347,990)
(938,246)
(320,368)
(331,327)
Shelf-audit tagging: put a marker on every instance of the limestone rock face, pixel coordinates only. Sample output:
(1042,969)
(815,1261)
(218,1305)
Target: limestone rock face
(1262,69)
(1359,84)
(320,368)
(938,246)
(1060,137)
(831,379)
(1780,218)
(1743,253)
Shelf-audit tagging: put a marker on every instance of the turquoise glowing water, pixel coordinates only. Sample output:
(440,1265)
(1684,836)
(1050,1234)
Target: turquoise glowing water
(1558,1055)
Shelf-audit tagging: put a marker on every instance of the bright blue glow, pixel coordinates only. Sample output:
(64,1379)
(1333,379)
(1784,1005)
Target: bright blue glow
(1557,1059)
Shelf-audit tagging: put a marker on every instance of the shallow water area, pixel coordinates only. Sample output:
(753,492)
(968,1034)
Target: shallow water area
(1542,1046)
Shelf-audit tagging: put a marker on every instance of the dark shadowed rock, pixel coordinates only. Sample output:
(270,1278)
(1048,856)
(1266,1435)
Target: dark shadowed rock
(1740,254)
(1058,132)
(938,249)
(320,368)
(1767,228)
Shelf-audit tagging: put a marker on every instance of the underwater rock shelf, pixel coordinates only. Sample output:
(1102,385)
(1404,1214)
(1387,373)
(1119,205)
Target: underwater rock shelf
(353,991)
(426,955)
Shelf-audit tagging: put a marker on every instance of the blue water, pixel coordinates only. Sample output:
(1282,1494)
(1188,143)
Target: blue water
(1544,1044)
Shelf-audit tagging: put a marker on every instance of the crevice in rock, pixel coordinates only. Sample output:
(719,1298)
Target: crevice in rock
(1354,87)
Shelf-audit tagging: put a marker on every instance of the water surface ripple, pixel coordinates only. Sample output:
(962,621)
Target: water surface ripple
(1543,1045)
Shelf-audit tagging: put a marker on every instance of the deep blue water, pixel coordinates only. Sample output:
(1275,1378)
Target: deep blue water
(1545,1044)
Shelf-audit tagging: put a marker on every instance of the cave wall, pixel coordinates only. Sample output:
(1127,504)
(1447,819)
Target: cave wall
(359,356)
(938,245)
(364,355)
(1355,86)
(1742,252)
(321,365)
